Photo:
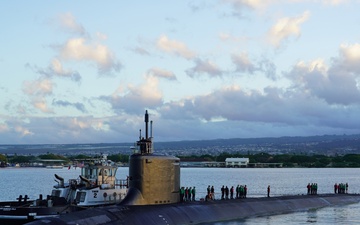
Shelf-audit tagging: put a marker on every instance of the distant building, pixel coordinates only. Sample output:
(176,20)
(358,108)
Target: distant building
(236,162)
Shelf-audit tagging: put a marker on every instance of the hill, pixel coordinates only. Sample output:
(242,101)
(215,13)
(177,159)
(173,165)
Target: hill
(326,144)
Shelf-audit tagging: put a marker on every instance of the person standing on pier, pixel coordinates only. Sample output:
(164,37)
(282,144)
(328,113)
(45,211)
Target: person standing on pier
(268,191)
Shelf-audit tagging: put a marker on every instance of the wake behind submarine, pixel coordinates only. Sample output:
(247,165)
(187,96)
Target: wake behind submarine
(145,204)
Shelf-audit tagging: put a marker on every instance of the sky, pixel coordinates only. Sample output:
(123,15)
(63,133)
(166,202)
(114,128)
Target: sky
(86,71)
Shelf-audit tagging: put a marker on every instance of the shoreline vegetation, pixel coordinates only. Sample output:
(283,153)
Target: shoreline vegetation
(287,160)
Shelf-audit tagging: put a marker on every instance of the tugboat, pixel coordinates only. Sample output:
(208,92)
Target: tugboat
(96,186)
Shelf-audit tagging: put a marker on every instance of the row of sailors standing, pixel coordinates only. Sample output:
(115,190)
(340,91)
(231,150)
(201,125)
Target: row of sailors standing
(312,188)
(187,194)
(241,191)
(341,188)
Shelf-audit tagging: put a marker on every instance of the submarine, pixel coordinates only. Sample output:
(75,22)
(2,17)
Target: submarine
(153,197)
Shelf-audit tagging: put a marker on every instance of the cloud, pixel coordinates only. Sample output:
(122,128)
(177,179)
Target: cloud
(78,49)
(285,28)
(174,47)
(67,22)
(140,51)
(334,2)
(240,5)
(39,87)
(56,69)
(272,108)
(23,131)
(37,91)
(135,98)
(349,57)
(230,38)
(77,105)
(244,65)
(3,128)
(204,67)
(157,72)
(62,130)
(332,83)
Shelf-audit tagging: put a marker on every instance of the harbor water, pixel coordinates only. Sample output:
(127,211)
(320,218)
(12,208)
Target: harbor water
(283,181)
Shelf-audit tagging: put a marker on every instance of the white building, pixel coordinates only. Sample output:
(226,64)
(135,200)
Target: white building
(236,162)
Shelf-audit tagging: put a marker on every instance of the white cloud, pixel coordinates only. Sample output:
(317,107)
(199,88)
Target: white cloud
(330,83)
(350,57)
(37,91)
(285,28)
(41,104)
(135,98)
(175,47)
(56,69)
(67,21)
(334,2)
(23,131)
(79,49)
(39,87)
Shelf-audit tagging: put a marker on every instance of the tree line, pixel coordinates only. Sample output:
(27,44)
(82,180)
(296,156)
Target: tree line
(288,160)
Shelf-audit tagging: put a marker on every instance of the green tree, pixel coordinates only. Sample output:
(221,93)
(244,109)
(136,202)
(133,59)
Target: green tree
(21,159)
(119,158)
(3,158)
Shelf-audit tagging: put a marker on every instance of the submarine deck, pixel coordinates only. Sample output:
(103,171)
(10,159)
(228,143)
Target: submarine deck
(201,211)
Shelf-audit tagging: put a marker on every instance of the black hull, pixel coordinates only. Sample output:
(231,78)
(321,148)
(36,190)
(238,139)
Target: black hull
(200,212)
(21,215)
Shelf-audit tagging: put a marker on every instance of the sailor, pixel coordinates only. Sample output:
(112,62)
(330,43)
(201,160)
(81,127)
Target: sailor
(241,191)
(232,192)
(227,192)
(189,194)
(182,192)
(335,188)
(308,188)
(193,193)
(237,191)
(186,193)
(222,192)
(268,191)
(212,192)
(245,191)
(208,190)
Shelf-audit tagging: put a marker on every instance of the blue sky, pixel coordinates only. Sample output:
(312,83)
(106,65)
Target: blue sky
(85,72)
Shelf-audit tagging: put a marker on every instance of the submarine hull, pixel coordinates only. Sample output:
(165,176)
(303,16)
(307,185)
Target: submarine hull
(200,212)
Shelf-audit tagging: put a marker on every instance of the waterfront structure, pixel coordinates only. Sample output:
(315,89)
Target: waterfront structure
(236,162)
